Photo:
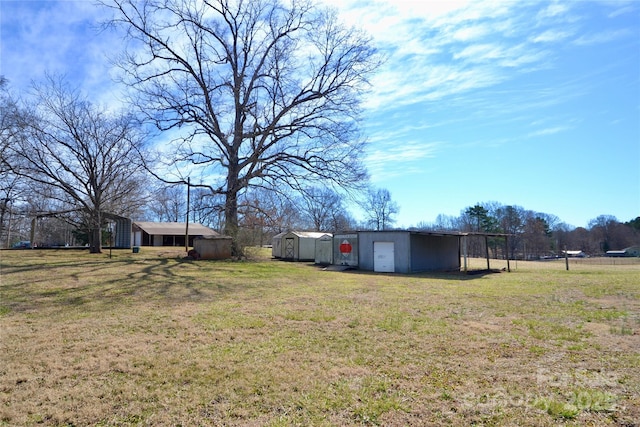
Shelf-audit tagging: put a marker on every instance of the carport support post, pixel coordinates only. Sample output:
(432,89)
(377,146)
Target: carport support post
(506,246)
(34,223)
(186,228)
(486,248)
(464,251)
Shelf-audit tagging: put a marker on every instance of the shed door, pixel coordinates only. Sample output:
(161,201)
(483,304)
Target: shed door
(324,250)
(288,248)
(383,257)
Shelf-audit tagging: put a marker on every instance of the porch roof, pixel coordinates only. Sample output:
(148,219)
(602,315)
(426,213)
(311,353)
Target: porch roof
(174,228)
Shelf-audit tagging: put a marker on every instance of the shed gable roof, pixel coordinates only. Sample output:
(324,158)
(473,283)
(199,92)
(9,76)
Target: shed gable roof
(309,234)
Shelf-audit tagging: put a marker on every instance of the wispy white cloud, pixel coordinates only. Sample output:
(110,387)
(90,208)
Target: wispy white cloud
(470,33)
(553,10)
(388,160)
(552,36)
(61,38)
(622,8)
(603,37)
(441,49)
(464,55)
(548,131)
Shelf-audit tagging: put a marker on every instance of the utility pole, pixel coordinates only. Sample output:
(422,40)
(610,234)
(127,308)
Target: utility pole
(186,231)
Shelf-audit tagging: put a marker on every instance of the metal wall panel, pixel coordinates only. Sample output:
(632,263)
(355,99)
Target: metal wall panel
(345,249)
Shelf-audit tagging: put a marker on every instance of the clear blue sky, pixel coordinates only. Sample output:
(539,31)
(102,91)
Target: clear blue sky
(535,104)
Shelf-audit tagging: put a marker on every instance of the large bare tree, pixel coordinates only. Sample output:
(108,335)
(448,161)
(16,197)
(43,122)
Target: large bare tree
(79,155)
(169,203)
(265,93)
(8,181)
(379,208)
(324,210)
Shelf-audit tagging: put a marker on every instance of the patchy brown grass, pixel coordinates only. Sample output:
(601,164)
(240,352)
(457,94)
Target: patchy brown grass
(150,339)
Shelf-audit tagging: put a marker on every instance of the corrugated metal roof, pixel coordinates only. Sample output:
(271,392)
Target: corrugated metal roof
(174,229)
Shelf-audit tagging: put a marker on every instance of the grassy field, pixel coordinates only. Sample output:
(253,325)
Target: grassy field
(150,339)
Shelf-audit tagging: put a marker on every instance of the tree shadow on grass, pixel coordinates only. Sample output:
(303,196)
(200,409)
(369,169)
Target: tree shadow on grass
(96,283)
(29,285)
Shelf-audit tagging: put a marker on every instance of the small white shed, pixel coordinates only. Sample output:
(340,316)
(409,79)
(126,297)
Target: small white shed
(324,249)
(298,245)
(276,245)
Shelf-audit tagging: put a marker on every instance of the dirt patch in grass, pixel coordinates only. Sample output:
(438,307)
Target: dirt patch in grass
(146,339)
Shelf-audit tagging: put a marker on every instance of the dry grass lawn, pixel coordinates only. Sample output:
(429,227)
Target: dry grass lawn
(150,339)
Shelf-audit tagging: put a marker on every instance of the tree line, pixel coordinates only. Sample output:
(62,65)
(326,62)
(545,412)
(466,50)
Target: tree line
(535,235)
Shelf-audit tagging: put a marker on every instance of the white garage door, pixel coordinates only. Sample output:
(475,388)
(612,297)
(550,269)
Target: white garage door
(383,257)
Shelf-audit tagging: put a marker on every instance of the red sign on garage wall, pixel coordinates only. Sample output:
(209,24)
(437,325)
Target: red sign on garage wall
(345,247)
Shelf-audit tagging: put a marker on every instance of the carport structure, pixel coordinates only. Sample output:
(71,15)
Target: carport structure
(464,238)
(413,251)
(120,228)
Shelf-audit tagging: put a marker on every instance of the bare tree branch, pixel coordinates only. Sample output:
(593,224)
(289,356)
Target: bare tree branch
(79,155)
(262,91)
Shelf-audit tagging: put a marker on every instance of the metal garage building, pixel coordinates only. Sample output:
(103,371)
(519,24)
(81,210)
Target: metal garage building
(401,251)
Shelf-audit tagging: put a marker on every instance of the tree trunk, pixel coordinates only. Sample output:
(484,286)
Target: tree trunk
(95,234)
(231,211)
(95,241)
(2,227)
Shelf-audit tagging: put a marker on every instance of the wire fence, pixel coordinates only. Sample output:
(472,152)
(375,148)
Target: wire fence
(552,264)
(605,260)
